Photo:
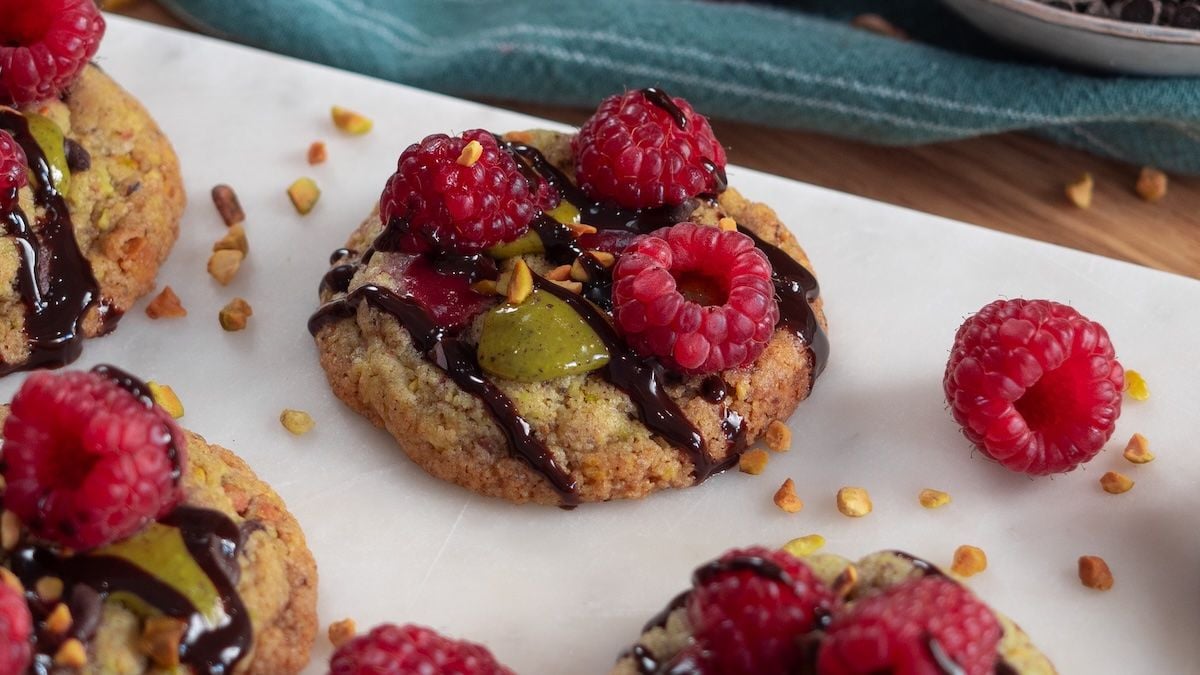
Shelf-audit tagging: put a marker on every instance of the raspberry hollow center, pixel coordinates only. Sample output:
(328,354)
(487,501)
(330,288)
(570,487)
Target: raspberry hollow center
(1059,398)
(701,289)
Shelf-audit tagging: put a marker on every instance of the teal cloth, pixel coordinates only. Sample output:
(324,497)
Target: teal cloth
(791,65)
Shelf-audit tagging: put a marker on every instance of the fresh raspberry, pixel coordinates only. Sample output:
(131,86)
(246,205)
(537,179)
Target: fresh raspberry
(914,628)
(44,44)
(412,650)
(85,462)
(699,298)
(635,153)
(1034,384)
(448,298)
(750,607)
(12,170)
(448,206)
(16,626)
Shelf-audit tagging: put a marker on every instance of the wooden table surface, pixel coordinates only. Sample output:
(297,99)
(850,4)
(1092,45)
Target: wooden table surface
(1009,182)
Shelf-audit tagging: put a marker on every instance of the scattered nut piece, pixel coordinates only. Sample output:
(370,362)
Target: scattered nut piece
(470,154)
(1080,192)
(560,273)
(1138,450)
(304,194)
(579,229)
(1115,483)
(234,316)
(226,201)
(166,305)
(49,589)
(786,499)
(1151,184)
(160,640)
(9,579)
(572,286)
(71,654)
(234,240)
(727,224)
(778,436)
(165,398)
(341,632)
(968,561)
(224,265)
(603,257)
(349,121)
(519,136)
(59,619)
(853,502)
(933,499)
(1094,573)
(520,285)
(845,582)
(317,154)
(753,461)
(578,272)
(485,287)
(875,23)
(10,530)
(297,422)
(1135,386)
(806,545)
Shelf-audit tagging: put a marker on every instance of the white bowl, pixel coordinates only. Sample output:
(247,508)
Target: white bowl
(1084,40)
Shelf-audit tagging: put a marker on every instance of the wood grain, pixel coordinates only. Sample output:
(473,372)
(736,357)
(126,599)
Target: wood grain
(1011,182)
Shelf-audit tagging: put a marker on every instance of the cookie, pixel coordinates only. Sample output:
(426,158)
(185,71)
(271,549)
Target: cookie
(670,633)
(100,243)
(622,431)
(270,606)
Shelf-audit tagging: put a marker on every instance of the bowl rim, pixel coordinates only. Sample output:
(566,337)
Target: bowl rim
(1095,24)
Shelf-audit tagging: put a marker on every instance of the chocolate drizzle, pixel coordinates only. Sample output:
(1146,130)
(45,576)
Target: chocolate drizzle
(55,280)
(661,99)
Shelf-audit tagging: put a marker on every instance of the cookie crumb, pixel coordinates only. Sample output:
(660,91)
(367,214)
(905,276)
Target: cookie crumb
(349,121)
(1135,386)
(1080,192)
(226,201)
(1137,450)
(10,530)
(1115,483)
(470,154)
(854,502)
(875,23)
(1151,184)
(223,265)
(49,589)
(341,632)
(806,545)
(933,499)
(778,436)
(235,315)
(234,240)
(166,398)
(161,637)
(304,194)
(317,154)
(297,422)
(727,224)
(968,561)
(166,305)
(786,499)
(753,461)
(1094,573)
(71,654)
(59,620)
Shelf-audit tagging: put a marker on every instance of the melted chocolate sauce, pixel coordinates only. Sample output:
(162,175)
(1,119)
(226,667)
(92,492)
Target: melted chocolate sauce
(661,99)
(55,281)
(714,389)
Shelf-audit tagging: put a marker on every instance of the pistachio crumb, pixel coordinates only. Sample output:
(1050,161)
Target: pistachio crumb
(1137,450)
(1094,573)
(226,201)
(160,640)
(297,422)
(59,619)
(1135,386)
(753,461)
(234,239)
(1080,192)
(317,153)
(854,502)
(786,499)
(778,436)
(71,654)
(968,561)
(933,499)
(350,121)
(341,632)
(235,315)
(806,545)
(166,305)
(49,589)
(520,285)
(166,398)
(470,154)
(1115,483)
(304,194)
(223,265)
(1151,184)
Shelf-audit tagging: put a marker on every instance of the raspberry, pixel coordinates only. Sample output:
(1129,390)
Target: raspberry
(448,206)
(412,650)
(85,462)
(16,626)
(12,170)
(913,628)
(699,298)
(1034,384)
(44,44)
(749,609)
(447,297)
(635,153)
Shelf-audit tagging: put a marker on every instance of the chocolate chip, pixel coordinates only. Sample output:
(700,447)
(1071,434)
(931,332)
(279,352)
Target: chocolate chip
(78,158)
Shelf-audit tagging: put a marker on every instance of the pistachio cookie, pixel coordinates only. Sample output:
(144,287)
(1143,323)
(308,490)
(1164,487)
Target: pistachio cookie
(767,612)
(90,190)
(139,547)
(558,318)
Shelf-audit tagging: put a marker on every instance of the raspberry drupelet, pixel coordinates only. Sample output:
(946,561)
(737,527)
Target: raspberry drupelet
(13,174)
(44,44)
(16,628)
(644,149)
(406,650)
(1035,385)
(87,463)
(699,298)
